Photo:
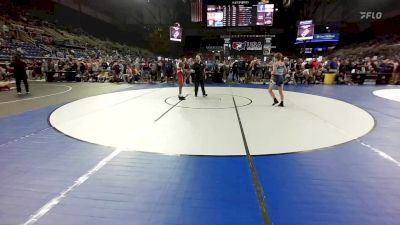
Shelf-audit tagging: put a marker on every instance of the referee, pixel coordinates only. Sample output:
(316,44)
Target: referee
(199,68)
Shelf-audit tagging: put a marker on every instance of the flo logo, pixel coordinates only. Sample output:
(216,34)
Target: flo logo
(239,46)
(247,46)
(371,15)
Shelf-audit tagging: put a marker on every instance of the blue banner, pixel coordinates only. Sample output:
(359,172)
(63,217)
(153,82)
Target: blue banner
(324,37)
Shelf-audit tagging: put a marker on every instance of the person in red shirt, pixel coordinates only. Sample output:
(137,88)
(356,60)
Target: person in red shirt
(315,64)
(314,68)
(181,80)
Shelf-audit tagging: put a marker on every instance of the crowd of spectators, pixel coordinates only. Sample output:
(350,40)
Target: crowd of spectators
(347,70)
(107,69)
(128,69)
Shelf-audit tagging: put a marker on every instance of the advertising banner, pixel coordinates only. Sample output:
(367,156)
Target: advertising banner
(305,30)
(175,33)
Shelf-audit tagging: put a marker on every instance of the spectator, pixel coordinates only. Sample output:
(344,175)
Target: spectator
(3,72)
(127,77)
(135,74)
(153,71)
(347,72)
(37,70)
(117,73)
(227,70)
(5,85)
(385,72)
(168,70)
(396,72)
(299,75)
(308,74)
(145,69)
(235,70)
(20,74)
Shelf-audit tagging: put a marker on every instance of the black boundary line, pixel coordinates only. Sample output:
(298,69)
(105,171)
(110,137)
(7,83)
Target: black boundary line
(256,181)
(165,113)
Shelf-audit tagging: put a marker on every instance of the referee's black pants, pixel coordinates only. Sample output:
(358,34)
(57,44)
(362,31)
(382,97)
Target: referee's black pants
(196,87)
(18,80)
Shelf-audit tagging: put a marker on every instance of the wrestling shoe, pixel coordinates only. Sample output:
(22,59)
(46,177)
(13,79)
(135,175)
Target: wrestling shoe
(275,102)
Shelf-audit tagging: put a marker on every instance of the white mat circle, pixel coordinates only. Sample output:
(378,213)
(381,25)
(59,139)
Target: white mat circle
(127,120)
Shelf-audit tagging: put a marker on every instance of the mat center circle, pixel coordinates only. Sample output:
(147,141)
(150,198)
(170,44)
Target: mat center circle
(215,101)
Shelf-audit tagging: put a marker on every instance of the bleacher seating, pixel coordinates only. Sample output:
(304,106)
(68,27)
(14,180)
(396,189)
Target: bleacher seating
(25,49)
(32,34)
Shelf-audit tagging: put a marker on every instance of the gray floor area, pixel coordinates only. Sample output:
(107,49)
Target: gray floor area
(46,94)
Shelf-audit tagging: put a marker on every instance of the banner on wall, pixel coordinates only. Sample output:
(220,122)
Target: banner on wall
(267,46)
(324,37)
(175,33)
(227,46)
(240,45)
(305,30)
(254,46)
